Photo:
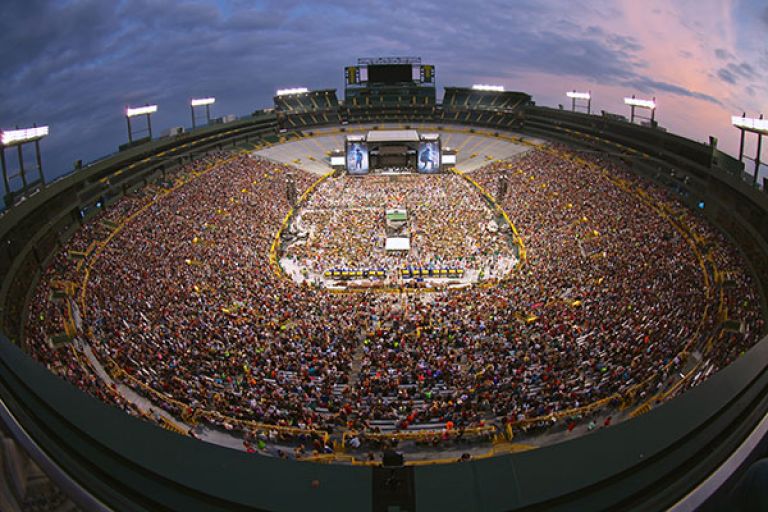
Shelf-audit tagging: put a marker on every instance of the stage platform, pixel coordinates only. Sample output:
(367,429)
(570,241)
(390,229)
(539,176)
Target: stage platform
(474,150)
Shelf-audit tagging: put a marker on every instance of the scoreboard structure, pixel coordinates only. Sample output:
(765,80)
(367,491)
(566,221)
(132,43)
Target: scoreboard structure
(389,70)
(388,81)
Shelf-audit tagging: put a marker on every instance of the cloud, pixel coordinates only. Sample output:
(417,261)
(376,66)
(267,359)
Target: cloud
(726,76)
(732,73)
(743,69)
(723,54)
(649,85)
(76,64)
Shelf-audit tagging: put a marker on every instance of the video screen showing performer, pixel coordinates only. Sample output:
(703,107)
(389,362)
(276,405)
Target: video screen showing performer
(429,157)
(357,158)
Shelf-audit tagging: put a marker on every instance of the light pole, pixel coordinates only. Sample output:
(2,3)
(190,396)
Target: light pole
(757,126)
(200,102)
(635,103)
(146,110)
(10,138)
(580,96)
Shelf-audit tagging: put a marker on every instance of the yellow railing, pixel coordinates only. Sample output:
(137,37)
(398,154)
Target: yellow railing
(273,250)
(425,435)
(518,240)
(500,449)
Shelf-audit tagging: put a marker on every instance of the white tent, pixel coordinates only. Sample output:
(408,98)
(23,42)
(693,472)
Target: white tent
(398,244)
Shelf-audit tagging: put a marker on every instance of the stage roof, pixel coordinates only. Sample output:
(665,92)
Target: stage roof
(393,136)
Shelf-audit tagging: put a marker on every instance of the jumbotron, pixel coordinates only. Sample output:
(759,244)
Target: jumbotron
(388,274)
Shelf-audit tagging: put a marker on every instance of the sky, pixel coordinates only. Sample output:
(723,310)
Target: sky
(76,64)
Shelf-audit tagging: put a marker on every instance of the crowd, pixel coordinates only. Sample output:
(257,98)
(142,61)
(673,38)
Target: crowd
(185,301)
(448,225)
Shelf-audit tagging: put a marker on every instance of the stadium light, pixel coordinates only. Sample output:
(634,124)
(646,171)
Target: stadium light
(138,111)
(294,90)
(583,96)
(13,137)
(578,95)
(757,126)
(201,102)
(486,87)
(146,110)
(751,124)
(635,103)
(17,137)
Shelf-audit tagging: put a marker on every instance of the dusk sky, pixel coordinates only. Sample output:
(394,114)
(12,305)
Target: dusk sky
(76,64)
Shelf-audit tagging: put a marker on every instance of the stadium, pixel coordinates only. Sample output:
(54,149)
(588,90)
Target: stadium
(386,302)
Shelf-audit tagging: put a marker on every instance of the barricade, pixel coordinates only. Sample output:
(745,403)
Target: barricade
(443,273)
(349,274)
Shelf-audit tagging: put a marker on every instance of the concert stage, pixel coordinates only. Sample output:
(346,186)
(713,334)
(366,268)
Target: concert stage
(393,150)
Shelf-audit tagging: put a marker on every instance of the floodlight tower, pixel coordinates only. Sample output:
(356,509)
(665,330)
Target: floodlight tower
(200,102)
(10,138)
(488,87)
(638,103)
(146,110)
(757,126)
(291,91)
(580,96)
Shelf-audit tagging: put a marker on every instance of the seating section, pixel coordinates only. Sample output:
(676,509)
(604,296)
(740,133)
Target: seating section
(185,309)
(461,98)
(312,108)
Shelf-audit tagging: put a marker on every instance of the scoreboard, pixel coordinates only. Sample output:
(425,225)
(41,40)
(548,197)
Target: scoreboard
(390,74)
(390,71)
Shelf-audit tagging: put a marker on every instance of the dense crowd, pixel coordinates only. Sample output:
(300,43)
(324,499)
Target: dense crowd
(185,300)
(448,226)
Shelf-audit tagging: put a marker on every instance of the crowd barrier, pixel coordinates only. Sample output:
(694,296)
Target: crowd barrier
(274,248)
(414,273)
(337,273)
(518,240)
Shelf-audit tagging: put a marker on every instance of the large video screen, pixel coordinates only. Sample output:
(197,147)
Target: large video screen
(357,157)
(429,156)
(390,73)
